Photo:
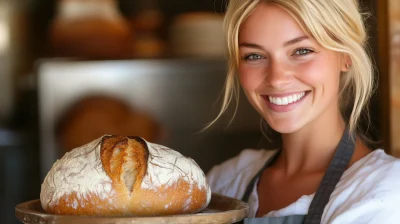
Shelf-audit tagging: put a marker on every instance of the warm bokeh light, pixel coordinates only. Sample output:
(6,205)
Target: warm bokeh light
(4,36)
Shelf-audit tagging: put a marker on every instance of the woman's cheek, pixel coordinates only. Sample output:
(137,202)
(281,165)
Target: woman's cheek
(311,73)
(250,78)
(250,81)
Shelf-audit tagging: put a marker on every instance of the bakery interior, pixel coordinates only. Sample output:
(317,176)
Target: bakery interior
(74,70)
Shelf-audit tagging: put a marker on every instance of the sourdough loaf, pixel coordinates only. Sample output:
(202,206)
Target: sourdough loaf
(120,175)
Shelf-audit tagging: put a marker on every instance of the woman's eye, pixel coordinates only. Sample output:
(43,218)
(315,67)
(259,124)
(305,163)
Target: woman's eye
(303,51)
(252,57)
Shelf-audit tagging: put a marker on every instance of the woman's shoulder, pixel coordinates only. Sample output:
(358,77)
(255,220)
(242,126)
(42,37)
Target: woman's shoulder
(373,173)
(368,190)
(232,176)
(377,167)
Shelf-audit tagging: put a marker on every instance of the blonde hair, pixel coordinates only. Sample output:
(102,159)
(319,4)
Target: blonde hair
(335,24)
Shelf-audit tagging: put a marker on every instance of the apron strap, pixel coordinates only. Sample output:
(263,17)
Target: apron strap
(250,186)
(332,176)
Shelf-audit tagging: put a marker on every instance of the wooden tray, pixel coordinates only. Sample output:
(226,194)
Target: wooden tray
(221,209)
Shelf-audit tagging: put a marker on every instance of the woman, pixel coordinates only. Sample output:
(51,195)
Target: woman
(301,63)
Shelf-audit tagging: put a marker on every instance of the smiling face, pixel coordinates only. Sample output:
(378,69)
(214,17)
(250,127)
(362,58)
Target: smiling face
(288,77)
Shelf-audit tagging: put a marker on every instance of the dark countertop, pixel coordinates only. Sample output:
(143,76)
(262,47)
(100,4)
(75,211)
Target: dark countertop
(19,157)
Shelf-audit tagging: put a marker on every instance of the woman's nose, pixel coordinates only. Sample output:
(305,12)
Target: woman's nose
(277,74)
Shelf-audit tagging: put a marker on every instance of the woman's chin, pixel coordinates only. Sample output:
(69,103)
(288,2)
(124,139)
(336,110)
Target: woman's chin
(285,128)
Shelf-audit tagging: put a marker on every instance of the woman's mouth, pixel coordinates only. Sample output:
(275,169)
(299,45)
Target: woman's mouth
(282,101)
(285,102)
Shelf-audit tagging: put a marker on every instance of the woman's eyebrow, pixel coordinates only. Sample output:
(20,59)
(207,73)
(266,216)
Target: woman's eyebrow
(251,45)
(287,43)
(295,40)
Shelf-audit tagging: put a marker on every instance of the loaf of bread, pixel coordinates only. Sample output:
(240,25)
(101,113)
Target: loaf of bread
(123,176)
(93,116)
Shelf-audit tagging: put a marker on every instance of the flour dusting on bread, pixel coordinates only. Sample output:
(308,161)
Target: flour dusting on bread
(79,171)
(166,167)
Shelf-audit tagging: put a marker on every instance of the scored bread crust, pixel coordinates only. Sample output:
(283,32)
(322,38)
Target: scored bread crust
(121,175)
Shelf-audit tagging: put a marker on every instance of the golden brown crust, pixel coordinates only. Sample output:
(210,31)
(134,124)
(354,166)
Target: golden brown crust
(167,201)
(115,152)
(141,155)
(107,146)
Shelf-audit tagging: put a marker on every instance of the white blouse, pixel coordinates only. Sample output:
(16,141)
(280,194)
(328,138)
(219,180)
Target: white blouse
(368,192)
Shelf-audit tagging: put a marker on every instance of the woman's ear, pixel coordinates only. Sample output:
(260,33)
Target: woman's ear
(346,63)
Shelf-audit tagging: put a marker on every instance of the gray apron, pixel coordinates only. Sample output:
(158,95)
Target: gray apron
(336,168)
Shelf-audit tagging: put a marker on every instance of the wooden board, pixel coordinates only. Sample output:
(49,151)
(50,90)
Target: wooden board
(221,209)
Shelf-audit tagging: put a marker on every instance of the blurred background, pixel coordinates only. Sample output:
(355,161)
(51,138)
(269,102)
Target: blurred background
(73,70)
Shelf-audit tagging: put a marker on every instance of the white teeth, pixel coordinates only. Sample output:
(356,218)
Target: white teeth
(291,98)
(287,99)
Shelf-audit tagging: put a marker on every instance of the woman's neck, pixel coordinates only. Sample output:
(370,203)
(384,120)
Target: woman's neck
(310,149)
